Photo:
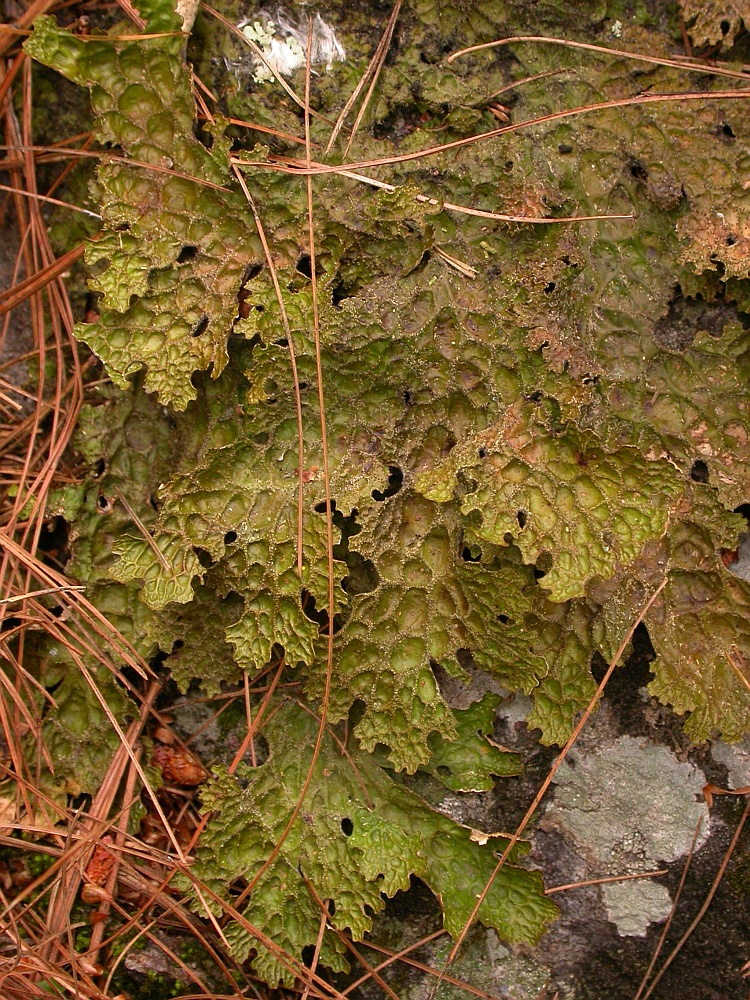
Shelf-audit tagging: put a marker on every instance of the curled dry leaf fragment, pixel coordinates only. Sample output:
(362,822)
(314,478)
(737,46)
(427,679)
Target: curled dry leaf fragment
(101,863)
(179,765)
(94,894)
(710,790)
(90,968)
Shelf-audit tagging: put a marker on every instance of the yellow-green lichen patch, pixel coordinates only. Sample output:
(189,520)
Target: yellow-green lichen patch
(528,426)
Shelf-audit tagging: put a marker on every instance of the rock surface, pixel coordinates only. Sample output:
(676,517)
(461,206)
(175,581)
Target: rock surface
(627,801)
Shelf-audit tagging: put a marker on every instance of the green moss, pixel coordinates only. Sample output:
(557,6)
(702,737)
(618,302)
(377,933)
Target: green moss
(37,863)
(192,951)
(152,986)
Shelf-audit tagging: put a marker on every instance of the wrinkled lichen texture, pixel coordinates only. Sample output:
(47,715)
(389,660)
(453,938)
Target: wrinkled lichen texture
(358,836)
(517,458)
(165,307)
(711,21)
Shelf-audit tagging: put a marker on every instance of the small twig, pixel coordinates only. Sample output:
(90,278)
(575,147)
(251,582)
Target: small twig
(132,13)
(106,157)
(696,67)
(329,509)
(252,729)
(547,782)
(673,910)
(355,94)
(24,20)
(267,130)
(601,881)
(738,664)
(41,593)
(423,967)
(20,292)
(686,39)
(260,54)
(526,79)
(377,65)
(621,102)
(316,955)
(707,902)
(342,747)
(346,941)
(459,265)
(50,201)
(448,206)
(147,537)
(710,790)
(394,957)
(292,360)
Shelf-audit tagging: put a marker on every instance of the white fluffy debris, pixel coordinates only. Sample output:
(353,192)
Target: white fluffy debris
(284,45)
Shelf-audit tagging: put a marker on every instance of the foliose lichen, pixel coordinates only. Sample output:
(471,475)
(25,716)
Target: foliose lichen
(522,438)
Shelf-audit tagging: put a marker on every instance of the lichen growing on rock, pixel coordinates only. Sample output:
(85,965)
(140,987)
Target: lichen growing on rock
(629,808)
(525,433)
